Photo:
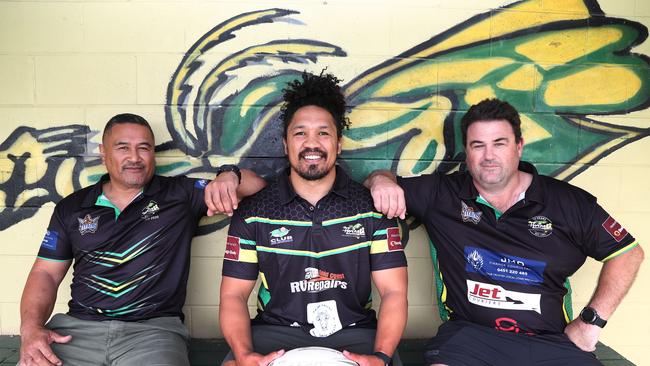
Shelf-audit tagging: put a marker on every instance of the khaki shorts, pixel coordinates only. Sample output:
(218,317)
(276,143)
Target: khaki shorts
(157,341)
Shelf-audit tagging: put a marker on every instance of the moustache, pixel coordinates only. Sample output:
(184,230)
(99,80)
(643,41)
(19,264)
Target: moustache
(133,166)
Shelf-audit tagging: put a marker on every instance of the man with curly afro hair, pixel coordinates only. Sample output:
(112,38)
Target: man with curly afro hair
(317,243)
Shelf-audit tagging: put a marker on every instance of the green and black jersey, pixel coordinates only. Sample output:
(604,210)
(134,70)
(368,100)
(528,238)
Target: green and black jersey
(128,265)
(509,270)
(315,262)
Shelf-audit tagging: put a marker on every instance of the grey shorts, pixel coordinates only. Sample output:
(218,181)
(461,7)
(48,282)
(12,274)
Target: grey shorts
(157,341)
(270,338)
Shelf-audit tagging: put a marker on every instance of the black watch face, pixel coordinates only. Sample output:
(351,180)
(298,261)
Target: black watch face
(588,315)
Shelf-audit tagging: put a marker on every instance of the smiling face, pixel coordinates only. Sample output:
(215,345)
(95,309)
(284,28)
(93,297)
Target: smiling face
(129,156)
(312,144)
(492,153)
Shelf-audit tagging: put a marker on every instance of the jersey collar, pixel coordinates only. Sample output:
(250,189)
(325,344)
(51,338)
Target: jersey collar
(96,190)
(287,194)
(534,193)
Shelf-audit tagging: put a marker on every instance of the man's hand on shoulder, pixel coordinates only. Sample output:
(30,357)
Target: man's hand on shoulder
(583,335)
(221,194)
(387,195)
(256,359)
(35,346)
(364,360)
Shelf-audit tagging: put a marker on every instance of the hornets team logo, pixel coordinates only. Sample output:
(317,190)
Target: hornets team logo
(88,224)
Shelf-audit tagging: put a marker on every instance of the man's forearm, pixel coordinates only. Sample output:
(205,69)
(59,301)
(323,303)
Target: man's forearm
(391,322)
(235,324)
(616,278)
(251,183)
(378,174)
(38,300)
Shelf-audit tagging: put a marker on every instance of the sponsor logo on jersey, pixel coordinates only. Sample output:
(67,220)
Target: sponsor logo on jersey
(280,236)
(394,239)
(232,248)
(475,260)
(200,184)
(540,226)
(614,229)
(469,215)
(150,212)
(503,266)
(50,240)
(494,296)
(88,224)
(317,280)
(354,231)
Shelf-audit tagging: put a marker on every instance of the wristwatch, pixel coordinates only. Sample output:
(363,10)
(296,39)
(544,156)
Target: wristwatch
(230,168)
(589,315)
(384,357)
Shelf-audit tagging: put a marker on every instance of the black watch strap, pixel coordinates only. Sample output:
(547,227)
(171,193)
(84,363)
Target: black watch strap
(589,315)
(386,358)
(230,168)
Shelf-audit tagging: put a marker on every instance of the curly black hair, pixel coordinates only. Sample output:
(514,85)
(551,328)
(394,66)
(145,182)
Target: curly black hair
(491,109)
(317,90)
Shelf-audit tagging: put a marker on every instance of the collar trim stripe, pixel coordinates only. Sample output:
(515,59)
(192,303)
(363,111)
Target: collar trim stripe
(364,215)
(265,220)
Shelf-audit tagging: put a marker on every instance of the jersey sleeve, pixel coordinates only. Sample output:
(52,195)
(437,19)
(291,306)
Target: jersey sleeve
(419,192)
(55,245)
(197,193)
(386,247)
(605,237)
(240,257)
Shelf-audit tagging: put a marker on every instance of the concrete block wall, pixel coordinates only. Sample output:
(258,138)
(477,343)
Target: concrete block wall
(67,66)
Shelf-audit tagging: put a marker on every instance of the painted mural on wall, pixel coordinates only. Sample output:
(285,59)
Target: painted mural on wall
(555,68)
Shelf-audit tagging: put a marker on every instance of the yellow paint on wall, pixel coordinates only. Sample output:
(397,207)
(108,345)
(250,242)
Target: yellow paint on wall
(557,46)
(525,78)
(531,131)
(475,95)
(567,45)
(469,71)
(254,98)
(63,180)
(593,86)
(25,195)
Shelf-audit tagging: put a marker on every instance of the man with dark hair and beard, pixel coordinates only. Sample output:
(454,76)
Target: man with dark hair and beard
(316,242)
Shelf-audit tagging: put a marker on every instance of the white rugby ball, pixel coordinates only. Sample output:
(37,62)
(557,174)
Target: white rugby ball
(312,356)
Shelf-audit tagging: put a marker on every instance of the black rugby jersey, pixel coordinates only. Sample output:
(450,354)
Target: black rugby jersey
(315,262)
(510,270)
(130,265)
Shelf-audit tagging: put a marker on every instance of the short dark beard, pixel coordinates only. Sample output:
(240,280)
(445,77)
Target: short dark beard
(312,173)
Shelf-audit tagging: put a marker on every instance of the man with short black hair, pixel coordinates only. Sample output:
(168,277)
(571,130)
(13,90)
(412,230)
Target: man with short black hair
(316,242)
(129,237)
(505,242)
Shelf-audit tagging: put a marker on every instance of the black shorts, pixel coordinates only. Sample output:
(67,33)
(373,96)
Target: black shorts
(270,338)
(461,343)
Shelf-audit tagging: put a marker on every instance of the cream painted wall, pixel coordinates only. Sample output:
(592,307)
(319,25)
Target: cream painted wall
(80,62)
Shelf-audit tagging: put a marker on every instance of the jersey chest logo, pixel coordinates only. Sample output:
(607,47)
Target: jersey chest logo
(540,226)
(150,212)
(355,231)
(468,214)
(88,224)
(280,236)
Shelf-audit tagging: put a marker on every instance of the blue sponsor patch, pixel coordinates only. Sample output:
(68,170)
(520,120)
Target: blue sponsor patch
(200,184)
(504,267)
(50,240)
